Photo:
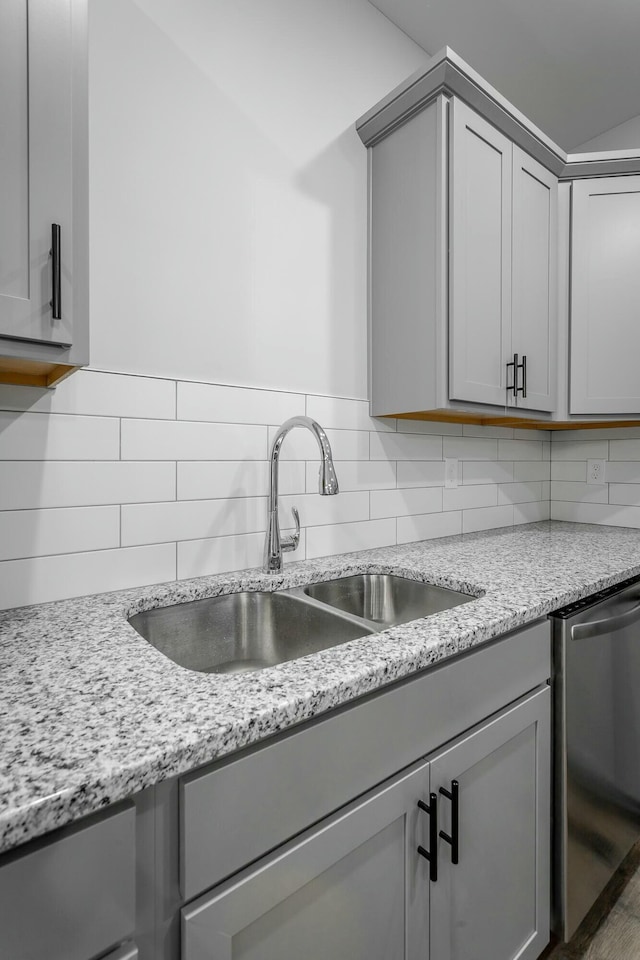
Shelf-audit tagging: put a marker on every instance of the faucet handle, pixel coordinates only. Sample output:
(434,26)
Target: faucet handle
(291,541)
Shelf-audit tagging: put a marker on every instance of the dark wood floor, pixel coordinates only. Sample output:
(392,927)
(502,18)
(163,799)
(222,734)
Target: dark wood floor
(611,929)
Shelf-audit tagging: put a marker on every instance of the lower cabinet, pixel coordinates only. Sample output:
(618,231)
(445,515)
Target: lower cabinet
(493,903)
(448,860)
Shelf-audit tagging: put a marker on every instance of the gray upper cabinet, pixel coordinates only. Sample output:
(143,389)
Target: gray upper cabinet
(605,296)
(480,258)
(534,281)
(43,193)
(463,275)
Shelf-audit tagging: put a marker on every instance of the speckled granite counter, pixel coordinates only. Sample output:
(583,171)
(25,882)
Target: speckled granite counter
(91,713)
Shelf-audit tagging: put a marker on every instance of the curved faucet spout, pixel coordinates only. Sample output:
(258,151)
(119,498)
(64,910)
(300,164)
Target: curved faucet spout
(275,544)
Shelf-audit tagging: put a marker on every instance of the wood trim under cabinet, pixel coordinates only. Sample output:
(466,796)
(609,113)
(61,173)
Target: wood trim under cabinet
(33,373)
(460,416)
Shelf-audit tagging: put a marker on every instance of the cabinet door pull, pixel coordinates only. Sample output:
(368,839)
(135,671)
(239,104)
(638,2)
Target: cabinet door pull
(453,839)
(514,385)
(432,854)
(56,287)
(516,367)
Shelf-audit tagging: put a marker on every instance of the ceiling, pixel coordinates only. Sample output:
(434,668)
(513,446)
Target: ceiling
(571,66)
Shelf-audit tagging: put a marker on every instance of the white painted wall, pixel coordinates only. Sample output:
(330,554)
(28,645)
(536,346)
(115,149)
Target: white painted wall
(228,187)
(228,274)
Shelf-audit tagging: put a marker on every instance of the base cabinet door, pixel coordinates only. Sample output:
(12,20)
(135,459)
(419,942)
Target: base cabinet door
(494,902)
(355,888)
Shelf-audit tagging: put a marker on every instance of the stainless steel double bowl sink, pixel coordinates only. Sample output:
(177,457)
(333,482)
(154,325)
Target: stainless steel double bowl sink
(240,632)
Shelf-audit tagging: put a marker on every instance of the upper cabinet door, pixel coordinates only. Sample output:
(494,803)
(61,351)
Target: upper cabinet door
(605,296)
(534,280)
(480,258)
(36,164)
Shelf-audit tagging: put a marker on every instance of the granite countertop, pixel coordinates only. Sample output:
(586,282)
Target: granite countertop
(91,713)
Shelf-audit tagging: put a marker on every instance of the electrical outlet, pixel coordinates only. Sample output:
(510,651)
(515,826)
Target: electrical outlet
(596,471)
(450,473)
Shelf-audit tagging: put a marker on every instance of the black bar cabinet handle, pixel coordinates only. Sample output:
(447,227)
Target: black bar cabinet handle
(432,854)
(453,840)
(56,286)
(514,385)
(524,375)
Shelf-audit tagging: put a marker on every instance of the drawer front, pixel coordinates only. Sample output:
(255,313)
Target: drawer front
(73,896)
(245,807)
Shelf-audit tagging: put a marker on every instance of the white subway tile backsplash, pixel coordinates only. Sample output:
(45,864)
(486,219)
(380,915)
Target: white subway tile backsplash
(354,475)
(77,574)
(520,492)
(124,471)
(221,404)
(617,516)
(338,413)
(429,526)
(531,512)
(622,471)
(525,470)
(37,533)
(315,510)
(191,519)
(569,470)
(186,440)
(522,434)
(487,471)
(486,518)
(624,493)
(520,449)
(623,450)
(347,537)
(97,394)
(474,495)
(201,558)
(420,473)
(300,444)
(38,436)
(583,450)
(28,484)
(471,448)
(401,503)
(579,491)
(229,479)
(405,446)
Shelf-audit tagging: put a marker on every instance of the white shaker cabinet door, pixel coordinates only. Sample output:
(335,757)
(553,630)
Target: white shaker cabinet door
(480,258)
(494,902)
(356,888)
(534,281)
(36,163)
(605,296)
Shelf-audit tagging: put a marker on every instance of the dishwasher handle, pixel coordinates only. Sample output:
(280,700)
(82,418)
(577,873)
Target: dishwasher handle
(598,628)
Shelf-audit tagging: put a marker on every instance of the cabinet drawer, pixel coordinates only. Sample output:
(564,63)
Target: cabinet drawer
(248,805)
(72,896)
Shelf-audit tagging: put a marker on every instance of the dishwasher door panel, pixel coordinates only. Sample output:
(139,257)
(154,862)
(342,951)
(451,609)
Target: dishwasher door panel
(596,752)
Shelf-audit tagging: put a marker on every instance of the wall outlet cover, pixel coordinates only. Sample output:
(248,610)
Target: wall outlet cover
(596,471)
(450,473)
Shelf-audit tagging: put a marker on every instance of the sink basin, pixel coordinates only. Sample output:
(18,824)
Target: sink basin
(240,632)
(385,599)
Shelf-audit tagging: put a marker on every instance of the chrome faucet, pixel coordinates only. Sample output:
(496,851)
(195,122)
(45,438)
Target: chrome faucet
(275,545)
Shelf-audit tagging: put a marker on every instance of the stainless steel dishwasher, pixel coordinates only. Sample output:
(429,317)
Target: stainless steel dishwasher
(596,702)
